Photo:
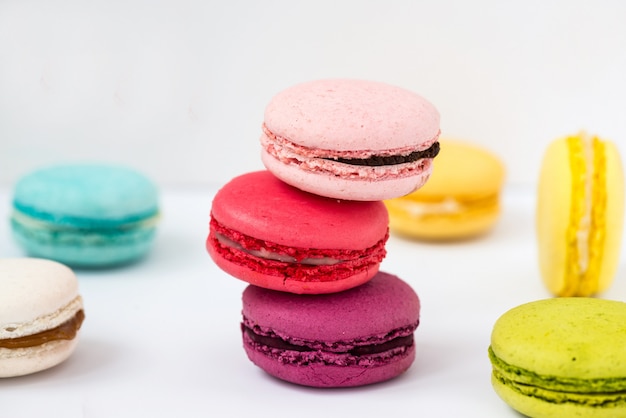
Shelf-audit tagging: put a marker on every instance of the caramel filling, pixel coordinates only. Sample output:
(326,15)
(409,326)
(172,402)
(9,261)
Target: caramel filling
(65,331)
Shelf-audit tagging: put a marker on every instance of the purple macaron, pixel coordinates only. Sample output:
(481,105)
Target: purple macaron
(352,338)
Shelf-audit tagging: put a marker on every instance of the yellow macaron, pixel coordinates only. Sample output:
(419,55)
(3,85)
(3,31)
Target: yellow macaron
(460,200)
(580,215)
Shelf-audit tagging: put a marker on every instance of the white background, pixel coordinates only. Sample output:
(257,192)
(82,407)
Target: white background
(178,88)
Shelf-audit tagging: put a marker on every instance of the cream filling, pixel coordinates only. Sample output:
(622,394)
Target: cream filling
(29,221)
(583,232)
(269,255)
(446,206)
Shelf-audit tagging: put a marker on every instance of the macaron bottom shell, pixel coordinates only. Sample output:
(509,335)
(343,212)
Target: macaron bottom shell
(23,361)
(80,248)
(322,375)
(287,284)
(536,406)
(359,188)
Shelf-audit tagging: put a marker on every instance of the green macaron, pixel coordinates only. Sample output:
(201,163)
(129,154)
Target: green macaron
(562,357)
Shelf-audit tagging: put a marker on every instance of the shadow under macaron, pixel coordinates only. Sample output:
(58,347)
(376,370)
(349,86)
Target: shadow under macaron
(89,358)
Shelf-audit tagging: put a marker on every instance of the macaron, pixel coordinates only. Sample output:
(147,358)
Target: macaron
(579,215)
(85,215)
(562,357)
(270,234)
(353,338)
(350,139)
(40,315)
(460,200)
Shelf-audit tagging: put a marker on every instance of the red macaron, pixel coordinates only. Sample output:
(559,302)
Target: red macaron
(276,236)
(353,338)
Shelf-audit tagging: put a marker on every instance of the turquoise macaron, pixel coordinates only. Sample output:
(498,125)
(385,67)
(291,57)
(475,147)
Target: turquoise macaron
(85,215)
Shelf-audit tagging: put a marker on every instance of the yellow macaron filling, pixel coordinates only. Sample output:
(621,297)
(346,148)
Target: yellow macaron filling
(586,230)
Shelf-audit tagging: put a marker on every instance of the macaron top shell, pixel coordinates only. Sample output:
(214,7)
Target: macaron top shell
(31,288)
(352,115)
(86,195)
(260,205)
(384,303)
(578,338)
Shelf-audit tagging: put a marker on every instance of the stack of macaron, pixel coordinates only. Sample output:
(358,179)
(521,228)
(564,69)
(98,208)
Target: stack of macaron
(308,234)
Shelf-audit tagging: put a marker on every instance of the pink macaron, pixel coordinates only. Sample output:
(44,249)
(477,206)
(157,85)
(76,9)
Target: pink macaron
(350,139)
(353,338)
(270,234)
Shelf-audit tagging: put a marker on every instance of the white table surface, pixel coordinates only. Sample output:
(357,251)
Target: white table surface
(161,337)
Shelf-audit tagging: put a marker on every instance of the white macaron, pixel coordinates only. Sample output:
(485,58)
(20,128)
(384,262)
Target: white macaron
(40,315)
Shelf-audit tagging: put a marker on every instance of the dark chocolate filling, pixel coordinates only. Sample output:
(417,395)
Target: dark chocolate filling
(275,342)
(378,160)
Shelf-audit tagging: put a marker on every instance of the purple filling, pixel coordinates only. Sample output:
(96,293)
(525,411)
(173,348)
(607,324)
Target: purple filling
(361,350)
